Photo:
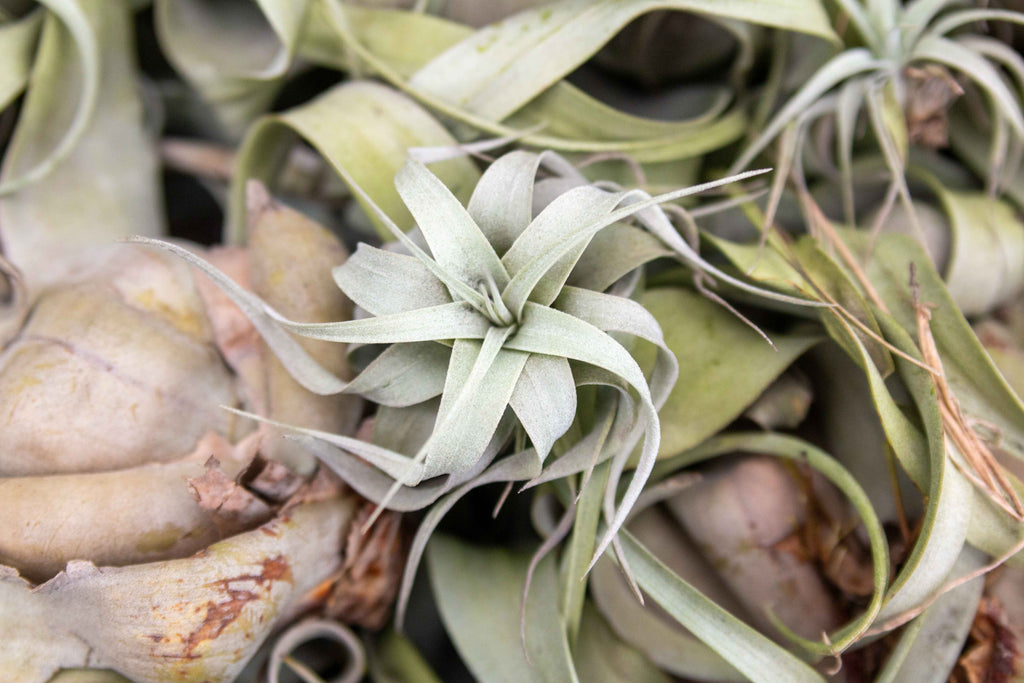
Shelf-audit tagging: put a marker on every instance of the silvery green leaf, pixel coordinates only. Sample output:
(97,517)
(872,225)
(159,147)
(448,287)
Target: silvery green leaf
(726,365)
(370,483)
(544,400)
(456,320)
(549,247)
(592,449)
(979,387)
(404,374)
(395,465)
(394,659)
(235,54)
(577,207)
(955,20)
(791,448)
(580,548)
(986,266)
(464,430)
(396,44)
(545,330)
(835,71)
(613,253)
(456,243)
(665,642)
(602,658)
(502,202)
(65,103)
(383,282)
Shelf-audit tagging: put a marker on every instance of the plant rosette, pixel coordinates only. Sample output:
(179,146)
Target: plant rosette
(515,301)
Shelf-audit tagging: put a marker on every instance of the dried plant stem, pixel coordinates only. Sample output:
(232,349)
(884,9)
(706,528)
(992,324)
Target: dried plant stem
(202,159)
(976,454)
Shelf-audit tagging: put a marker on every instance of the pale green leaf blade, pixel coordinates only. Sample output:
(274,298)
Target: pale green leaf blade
(395,465)
(986,260)
(545,330)
(70,80)
(955,20)
(598,444)
(931,645)
(392,658)
(746,649)
(81,159)
(17,48)
(580,548)
(663,641)
(792,448)
(979,387)
(533,49)
(395,44)
(602,658)
(371,483)
(614,253)
(463,432)
(478,592)
(455,320)
(546,248)
(550,230)
(727,365)
(621,315)
(944,527)
(515,467)
(365,131)
(544,400)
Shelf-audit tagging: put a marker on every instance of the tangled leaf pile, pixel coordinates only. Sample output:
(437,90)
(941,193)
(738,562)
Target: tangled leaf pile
(725,298)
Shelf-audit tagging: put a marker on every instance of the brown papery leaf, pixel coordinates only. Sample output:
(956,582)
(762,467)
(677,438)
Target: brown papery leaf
(368,582)
(993,648)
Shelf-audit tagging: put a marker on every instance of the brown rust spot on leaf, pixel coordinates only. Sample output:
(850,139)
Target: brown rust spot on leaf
(219,615)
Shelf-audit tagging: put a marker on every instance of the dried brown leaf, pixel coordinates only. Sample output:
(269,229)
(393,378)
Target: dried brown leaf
(368,582)
(992,653)
(931,90)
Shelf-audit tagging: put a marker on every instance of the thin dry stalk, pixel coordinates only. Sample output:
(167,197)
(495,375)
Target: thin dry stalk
(990,476)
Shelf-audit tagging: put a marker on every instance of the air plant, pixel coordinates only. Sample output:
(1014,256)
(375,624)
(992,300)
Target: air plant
(507,310)
(898,72)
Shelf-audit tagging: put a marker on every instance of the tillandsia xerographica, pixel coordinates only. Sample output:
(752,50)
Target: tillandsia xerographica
(508,309)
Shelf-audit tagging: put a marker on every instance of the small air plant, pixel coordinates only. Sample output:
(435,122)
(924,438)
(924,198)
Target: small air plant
(511,302)
(906,53)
